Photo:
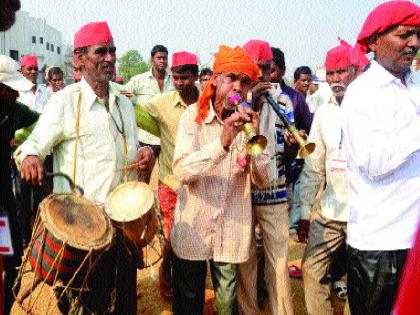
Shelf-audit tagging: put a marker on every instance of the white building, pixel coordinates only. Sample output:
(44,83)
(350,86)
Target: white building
(30,35)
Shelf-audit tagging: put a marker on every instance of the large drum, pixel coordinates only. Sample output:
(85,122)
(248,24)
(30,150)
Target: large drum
(130,207)
(70,231)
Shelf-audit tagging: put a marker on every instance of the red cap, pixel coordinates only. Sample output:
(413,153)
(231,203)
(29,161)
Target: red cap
(344,55)
(29,61)
(259,50)
(119,78)
(92,34)
(183,58)
(387,15)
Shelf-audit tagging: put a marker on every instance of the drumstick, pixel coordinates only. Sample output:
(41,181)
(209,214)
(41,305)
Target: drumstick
(127,167)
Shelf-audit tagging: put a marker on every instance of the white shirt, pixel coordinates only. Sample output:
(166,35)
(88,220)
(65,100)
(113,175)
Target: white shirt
(326,164)
(381,125)
(35,101)
(101,146)
(321,96)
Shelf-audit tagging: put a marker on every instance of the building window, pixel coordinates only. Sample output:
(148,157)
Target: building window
(14,54)
(48,46)
(41,40)
(58,50)
(33,39)
(52,47)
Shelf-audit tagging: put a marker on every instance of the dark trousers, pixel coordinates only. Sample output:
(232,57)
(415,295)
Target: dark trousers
(373,279)
(189,279)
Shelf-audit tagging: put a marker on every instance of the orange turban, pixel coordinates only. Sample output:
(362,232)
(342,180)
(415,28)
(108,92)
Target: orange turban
(226,60)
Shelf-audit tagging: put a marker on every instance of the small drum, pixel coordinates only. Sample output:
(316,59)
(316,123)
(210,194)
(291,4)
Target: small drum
(130,206)
(68,230)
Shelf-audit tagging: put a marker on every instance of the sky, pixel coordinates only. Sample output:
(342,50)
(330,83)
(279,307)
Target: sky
(303,29)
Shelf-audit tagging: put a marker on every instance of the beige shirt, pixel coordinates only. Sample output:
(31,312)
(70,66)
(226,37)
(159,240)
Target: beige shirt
(213,214)
(101,146)
(326,163)
(145,86)
(166,110)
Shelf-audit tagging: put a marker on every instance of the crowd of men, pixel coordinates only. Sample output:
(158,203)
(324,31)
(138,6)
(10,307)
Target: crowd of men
(222,206)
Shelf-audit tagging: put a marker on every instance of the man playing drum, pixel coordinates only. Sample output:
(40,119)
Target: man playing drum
(91,130)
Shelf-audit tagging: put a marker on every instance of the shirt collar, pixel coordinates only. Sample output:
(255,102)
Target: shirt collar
(384,77)
(178,100)
(90,97)
(211,115)
(150,75)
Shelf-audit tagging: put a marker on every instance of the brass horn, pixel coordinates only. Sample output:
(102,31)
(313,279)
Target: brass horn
(305,148)
(256,143)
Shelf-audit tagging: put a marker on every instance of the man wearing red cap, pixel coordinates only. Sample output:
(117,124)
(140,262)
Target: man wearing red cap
(327,229)
(381,126)
(160,116)
(37,97)
(213,215)
(269,202)
(92,117)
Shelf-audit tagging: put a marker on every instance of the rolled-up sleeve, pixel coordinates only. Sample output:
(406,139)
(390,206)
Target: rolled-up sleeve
(313,173)
(46,134)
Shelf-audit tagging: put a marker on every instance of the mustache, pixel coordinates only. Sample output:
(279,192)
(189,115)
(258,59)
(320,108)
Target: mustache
(338,85)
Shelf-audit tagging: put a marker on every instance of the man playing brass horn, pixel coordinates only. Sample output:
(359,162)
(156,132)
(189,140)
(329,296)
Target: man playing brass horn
(213,216)
(101,123)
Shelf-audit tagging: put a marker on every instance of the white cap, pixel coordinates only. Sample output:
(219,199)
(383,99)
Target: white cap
(10,76)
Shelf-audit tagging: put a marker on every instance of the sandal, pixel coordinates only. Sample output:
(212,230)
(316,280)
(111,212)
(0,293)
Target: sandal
(295,272)
(340,289)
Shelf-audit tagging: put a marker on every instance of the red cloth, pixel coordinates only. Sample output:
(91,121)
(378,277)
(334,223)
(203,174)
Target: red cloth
(167,202)
(344,55)
(29,61)
(225,60)
(183,58)
(386,15)
(92,34)
(1,286)
(119,78)
(259,50)
(408,293)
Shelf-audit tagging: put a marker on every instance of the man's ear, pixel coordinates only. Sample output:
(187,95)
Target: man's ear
(372,42)
(79,60)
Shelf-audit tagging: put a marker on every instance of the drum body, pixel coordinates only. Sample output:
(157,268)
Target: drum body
(68,228)
(130,207)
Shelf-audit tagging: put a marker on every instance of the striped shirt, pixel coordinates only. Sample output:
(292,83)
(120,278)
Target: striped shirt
(213,214)
(276,192)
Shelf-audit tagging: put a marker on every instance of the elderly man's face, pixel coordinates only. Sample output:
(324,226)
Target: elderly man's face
(396,49)
(30,73)
(228,85)
(339,79)
(99,62)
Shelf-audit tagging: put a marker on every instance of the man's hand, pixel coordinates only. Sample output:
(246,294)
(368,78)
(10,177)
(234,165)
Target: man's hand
(303,230)
(32,170)
(257,91)
(234,124)
(290,139)
(145,159)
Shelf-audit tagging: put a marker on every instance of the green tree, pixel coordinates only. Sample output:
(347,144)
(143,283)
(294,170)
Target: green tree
(131,64)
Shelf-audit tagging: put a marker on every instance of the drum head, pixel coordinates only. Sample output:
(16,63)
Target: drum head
(76,221)
(129,201)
